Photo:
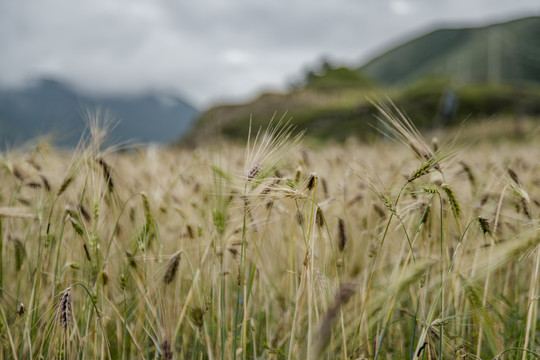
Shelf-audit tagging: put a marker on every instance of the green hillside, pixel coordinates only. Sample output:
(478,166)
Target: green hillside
(439,79)
(497,53)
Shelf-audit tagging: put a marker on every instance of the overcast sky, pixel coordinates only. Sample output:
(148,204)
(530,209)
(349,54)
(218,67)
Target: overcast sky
(212,50)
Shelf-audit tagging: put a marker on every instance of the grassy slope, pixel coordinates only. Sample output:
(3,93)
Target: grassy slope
(332,103)
(509,50)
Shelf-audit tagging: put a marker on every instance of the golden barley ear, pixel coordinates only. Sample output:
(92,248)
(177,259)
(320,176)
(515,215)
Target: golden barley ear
(401,127)
(269,149)
(397,125)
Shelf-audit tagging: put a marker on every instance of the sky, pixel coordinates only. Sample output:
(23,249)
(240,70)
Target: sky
(213,51)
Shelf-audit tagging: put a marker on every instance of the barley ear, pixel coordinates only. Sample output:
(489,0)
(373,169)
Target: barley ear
(172,268)
(65,309)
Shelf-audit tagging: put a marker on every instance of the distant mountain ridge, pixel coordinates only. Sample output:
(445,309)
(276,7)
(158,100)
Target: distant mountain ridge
(51,107)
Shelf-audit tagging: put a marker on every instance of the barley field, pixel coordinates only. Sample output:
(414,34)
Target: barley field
(407,249)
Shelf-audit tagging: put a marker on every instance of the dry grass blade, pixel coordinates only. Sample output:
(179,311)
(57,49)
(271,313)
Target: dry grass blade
(15,212)
(345,292)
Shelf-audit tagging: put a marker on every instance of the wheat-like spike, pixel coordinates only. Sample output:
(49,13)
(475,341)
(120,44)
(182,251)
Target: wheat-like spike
(268,150)
(84,212)
(18,174)
(468,171)
(65,310)
(106,173)
(401,127)
(484,224)
(514,176)
(65,184)
(253,172)
(74,220)
(20,253)
(342,234)
(311,181)
(46,183)
(172,268)
(424,169)
(319,218)
(324,184)
(456,209)
(147,212)
(166,350)
(345,292)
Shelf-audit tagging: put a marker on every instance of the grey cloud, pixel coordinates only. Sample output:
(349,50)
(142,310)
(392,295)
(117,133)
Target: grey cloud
(209,49)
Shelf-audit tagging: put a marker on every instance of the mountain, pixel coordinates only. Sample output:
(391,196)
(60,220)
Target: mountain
(498,53)
(439,79)
(51,107)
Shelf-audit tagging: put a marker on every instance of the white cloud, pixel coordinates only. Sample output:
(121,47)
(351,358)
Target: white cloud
(401,7)
(236,57)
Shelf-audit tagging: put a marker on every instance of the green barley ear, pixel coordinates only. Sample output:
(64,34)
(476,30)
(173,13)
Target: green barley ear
(196,315)
(297,175)
(456,209)
(424,169)
(474,294)
(104,278)
(123,281)
(20,253)
(75,223)
(144,240)
(468,171)
(521,195)
(147,211)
